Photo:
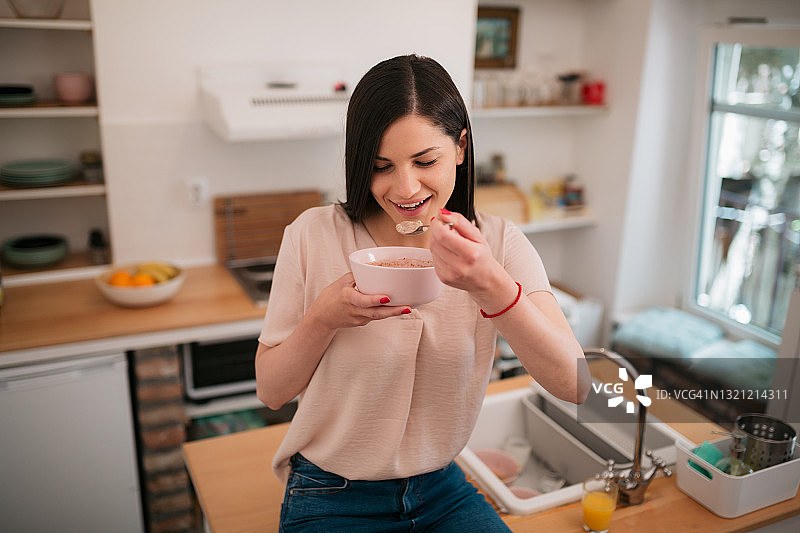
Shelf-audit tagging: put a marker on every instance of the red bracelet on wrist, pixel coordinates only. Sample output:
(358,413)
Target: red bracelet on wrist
(519,293)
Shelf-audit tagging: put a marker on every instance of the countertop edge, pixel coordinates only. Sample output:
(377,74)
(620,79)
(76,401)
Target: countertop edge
(123,343)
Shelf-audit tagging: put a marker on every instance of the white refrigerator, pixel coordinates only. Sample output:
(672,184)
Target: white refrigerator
(67,453)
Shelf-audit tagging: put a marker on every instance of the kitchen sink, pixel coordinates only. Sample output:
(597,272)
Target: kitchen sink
(563,451)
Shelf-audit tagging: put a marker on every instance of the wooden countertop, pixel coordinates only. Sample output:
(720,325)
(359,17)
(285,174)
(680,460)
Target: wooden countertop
(35,316)
(239,493)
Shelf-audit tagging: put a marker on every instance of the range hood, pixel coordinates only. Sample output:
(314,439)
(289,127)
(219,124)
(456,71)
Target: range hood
(269,101)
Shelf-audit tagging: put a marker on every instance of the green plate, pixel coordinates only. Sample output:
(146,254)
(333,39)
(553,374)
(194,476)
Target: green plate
(37,168)
(45,181)
(13,100)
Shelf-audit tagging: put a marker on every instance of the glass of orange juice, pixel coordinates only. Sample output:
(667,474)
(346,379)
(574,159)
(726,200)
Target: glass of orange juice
(599,501)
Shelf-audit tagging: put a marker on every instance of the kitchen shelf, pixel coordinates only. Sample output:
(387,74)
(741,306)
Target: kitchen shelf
(539,111)
(560,219)
(46,24)
(73,189)
(50,110)
(37,37)
(75,266)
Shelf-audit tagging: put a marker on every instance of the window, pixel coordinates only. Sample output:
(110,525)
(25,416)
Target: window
(750,226)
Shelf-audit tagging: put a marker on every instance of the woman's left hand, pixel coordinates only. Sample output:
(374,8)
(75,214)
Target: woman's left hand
(462,257)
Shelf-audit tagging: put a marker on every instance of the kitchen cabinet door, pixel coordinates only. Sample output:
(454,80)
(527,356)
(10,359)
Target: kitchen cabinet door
(68,460)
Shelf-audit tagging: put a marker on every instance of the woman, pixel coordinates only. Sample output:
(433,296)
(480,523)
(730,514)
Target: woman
(390,394)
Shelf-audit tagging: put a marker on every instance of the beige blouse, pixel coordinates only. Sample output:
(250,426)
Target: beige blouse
(396,397)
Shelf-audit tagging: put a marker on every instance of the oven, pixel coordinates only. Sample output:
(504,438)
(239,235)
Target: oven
(220,389)
(217,369)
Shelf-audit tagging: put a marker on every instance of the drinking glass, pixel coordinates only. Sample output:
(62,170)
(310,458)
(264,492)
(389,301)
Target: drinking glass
(599,501)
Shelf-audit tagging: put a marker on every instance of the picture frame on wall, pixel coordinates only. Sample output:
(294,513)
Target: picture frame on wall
(496,37)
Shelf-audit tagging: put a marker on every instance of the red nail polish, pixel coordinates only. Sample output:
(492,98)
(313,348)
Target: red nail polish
(445,211)
(384,300)
(433,218)
(405,311)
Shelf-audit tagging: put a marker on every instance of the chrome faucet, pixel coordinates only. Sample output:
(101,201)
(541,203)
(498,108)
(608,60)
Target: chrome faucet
(632,482)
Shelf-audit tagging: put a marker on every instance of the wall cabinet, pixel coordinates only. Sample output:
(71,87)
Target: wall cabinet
(31,51)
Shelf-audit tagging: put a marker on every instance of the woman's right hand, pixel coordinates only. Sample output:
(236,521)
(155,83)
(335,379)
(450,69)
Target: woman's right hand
(283,371)
(341,305)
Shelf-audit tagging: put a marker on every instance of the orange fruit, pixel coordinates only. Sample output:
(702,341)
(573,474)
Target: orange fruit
(121,278)
(141,279)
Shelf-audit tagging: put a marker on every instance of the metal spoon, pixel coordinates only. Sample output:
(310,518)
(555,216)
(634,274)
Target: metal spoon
(413,227)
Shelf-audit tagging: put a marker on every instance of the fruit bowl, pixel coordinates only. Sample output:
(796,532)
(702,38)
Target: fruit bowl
(141,284)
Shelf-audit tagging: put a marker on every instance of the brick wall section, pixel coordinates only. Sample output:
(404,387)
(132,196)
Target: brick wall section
(158,397)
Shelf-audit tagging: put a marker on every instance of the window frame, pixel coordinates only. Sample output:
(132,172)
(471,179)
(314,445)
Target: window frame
(701,152)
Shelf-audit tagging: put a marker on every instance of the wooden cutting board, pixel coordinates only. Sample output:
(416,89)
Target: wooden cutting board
(251,226)
(504,200)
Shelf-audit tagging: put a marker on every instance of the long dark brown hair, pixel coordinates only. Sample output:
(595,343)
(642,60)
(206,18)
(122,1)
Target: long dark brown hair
(391,90)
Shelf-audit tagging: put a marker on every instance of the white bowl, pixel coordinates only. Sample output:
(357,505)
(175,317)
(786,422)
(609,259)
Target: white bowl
(143,296)
(411,286)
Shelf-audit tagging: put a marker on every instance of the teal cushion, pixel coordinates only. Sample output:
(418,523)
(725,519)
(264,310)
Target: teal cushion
(744,365)
(665,332)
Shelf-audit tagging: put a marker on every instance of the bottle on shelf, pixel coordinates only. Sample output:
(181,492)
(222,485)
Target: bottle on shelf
(98,248)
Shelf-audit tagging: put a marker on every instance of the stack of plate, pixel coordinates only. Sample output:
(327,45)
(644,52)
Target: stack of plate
(35,250)
(16,95)
(36,172)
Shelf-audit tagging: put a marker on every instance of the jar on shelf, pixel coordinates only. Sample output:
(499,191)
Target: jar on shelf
(92,166)
(571,88)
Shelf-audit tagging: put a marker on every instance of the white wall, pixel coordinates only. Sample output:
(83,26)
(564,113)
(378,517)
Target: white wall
(615,46)
(148,53)
(652,252)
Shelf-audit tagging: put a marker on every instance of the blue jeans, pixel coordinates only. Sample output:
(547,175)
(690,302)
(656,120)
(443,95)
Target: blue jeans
(441,501)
